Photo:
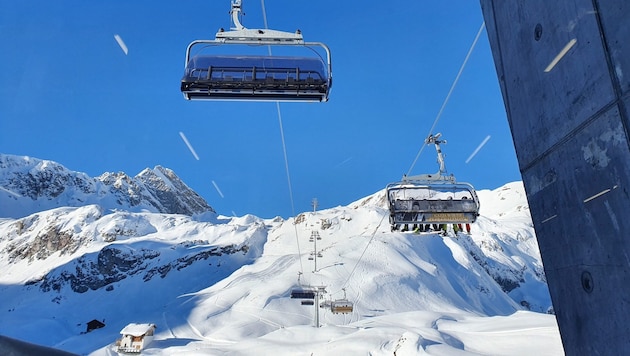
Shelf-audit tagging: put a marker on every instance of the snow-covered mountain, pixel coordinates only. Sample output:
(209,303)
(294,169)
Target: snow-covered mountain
(29,185)
(221,285)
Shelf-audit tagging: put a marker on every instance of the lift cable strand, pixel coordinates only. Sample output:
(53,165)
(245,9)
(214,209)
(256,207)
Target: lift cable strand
(448,96)
(284,150)
(264,12)
(286,165)
(363,253)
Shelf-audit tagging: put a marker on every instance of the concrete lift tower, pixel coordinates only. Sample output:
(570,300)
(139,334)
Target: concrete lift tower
(564,71)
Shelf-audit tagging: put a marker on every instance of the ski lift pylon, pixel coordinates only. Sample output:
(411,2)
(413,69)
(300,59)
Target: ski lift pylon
(256,78)
(432,198)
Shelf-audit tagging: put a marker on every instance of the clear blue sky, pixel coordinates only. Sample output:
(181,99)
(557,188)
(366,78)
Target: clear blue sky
(69,94)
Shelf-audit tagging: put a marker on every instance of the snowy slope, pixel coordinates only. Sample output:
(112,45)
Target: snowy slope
(222,285)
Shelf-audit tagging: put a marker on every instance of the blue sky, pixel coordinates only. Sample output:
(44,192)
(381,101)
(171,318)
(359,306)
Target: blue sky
(68,93)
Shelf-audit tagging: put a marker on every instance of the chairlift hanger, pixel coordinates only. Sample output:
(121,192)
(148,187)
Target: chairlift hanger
(256,78)
(240,33)
(441,174)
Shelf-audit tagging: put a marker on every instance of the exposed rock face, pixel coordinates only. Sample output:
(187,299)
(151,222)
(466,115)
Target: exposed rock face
(170,192)
(92,250)
(35,178)
(39,236)
(29,185)
(124,188)
(112,265)
(115,263)
(506,276)
(186,261)
(45,244)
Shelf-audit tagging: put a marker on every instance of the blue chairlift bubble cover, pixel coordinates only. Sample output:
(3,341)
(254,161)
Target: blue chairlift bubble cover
(304,64)
(255,78)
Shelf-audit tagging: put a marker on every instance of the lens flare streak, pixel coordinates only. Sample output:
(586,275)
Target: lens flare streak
(217,188)
(485,140)
(121,43)
(192,150)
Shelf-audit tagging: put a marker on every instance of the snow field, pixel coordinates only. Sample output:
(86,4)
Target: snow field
(412,293)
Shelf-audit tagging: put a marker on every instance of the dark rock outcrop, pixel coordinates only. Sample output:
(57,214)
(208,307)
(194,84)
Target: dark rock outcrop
(117,262)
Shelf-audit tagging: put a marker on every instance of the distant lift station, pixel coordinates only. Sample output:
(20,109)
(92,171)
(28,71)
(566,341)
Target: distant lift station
(254,77)
(432,198)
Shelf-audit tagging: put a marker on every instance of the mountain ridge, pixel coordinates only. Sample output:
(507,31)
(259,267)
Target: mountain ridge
(29,185)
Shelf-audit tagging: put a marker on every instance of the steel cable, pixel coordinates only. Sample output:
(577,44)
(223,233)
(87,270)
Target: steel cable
(448,96)
(286,159)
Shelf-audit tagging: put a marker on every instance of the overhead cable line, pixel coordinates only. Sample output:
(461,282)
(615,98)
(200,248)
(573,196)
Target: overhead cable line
(363,253)
(448,96)
(284,151)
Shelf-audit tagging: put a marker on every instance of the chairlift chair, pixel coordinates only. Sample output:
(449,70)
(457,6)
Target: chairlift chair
(341,306)
(303,293)
(256,78)
(432,198)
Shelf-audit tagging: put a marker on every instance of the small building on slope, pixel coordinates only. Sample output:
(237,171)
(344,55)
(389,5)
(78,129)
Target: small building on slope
(94,324)
(135,337)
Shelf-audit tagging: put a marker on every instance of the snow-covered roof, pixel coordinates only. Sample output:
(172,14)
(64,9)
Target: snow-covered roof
(136,329)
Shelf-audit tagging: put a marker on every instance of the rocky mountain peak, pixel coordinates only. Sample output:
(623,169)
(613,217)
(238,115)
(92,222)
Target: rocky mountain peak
(171,192)
(29,185)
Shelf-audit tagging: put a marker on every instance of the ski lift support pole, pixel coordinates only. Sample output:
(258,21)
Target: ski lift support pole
(320,290)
